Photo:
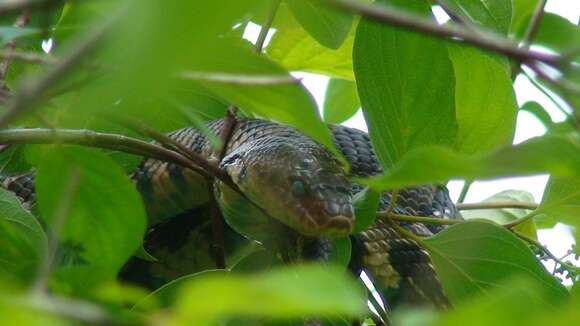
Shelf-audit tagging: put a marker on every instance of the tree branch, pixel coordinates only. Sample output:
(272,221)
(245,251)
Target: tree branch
(497,204)
(484,40)
(108,141)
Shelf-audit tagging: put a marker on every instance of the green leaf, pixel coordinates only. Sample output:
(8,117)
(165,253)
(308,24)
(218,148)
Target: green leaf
(340,101)
(295,291)
(329,26)
(537,111)
(556,33)
(506,215)
(166,295)
(485,102)
(518,301)
(561,203)
(22,239)
(13,160)
(366,203)
(288,103)
(493,14)
(522,9)
(553,154)
(474,257)
(341,250)
(502,215)
(103,216)
(295,50)
(405,84)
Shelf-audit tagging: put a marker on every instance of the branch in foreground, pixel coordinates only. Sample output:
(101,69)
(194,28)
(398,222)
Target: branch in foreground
(497,204)
(487,41)
(108,141)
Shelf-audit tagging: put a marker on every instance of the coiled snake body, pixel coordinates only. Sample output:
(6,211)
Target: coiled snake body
(302,185)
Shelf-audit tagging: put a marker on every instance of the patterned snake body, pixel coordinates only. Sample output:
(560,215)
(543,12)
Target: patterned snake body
(303,186)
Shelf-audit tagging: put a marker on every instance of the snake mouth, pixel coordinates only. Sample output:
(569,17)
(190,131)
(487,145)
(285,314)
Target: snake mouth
(337,226)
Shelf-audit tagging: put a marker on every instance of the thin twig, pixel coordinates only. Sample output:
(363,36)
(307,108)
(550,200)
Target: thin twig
(417,219)
(484,40)
(534,24)
(536,243)
(108,141)
(561,83)
(60,215)
(522,220)
(497,204)
(274,4)
(240,79)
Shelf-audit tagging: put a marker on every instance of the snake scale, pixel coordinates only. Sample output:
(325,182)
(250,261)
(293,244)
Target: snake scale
(304,187)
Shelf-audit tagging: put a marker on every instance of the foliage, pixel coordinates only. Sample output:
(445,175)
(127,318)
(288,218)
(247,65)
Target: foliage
(438,100)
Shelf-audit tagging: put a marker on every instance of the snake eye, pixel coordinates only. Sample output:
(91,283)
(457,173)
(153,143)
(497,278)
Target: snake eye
(298,188)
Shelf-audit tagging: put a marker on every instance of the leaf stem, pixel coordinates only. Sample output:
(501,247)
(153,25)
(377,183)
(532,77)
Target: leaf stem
(417,219)
(534,23)
(274,4)
(464,190)
(484,40)
(522,220)
(497,204)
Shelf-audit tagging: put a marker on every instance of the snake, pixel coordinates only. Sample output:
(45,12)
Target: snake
(299,184)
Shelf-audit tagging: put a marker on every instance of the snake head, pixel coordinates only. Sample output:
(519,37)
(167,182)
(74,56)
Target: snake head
(299,183)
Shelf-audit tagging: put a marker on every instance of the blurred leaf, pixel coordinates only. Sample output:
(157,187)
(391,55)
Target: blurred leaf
(295,291)
(366,203)
(474,257)
(22,239)
(13,160)
(520,301)
(166,295)
(143,254)
(341,250)
(340,101)
(105,221)
(493,14)
(329,26)
(522,9)
(8,33)
(285,103)
(537,111)
(405,83)
(485,102)
(297,51)
(561,203)
(553,154)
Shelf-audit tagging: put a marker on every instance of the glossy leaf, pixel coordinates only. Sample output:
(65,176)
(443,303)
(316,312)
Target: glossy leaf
(522,9)
(561,203)
(485,102)
(341,101)
(282,293)
(493,14)
(104,218)
(329,26)
(405,84)
(295,50)
(474,257)
(22,240)
(553,154)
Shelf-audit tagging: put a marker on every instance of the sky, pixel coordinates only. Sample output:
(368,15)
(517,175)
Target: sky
(559,239)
